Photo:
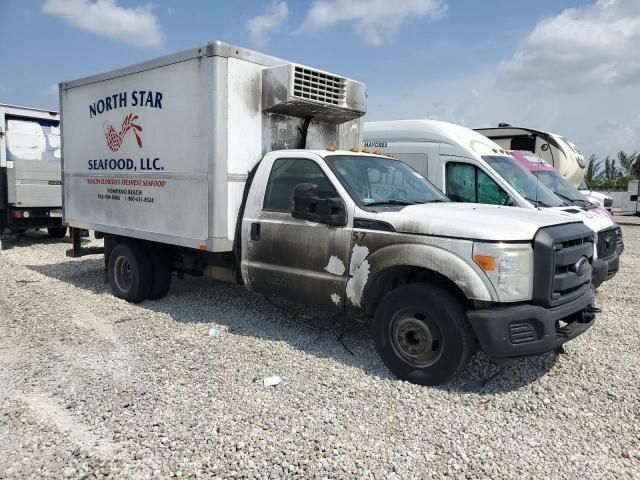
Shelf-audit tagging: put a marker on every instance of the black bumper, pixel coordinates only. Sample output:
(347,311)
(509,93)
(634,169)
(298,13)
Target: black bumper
(604,270)
(522,330)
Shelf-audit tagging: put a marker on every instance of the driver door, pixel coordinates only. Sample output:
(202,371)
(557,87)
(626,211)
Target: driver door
(294,259)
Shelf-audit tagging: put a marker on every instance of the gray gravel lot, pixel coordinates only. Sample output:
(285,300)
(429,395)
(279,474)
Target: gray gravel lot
(94,387)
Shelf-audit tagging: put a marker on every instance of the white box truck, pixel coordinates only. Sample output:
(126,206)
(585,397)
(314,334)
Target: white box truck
(222,161)
(30,177)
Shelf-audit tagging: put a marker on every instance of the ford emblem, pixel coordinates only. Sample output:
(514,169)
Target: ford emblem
(581,266)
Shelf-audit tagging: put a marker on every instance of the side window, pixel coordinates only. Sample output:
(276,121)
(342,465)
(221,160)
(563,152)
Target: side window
(461,182)
(286,173)
(489,191)
(467,183)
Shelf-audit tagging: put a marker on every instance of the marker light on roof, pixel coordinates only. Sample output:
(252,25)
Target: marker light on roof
(331,148)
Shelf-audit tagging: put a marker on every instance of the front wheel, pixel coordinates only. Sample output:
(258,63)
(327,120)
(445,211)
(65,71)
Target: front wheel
(422,334)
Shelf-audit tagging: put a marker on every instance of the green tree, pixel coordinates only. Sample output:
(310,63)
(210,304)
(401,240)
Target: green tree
(627,162)
(593,172)
(611,173)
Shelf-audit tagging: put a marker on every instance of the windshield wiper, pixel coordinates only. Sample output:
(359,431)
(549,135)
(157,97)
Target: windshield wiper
(568,200)
(392,201)
(536,202)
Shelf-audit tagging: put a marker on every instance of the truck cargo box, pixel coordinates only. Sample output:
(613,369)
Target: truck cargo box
(161,150)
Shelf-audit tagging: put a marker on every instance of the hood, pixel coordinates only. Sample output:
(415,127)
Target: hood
(595,218)
(472,221)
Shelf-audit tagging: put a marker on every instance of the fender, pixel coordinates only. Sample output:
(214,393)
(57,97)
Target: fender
(470,279)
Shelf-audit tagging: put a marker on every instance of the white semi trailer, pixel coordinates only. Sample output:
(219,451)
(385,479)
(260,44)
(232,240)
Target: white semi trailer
(30,178)
(237,165)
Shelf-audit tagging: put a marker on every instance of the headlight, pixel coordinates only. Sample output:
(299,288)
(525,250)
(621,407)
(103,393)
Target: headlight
(509,267)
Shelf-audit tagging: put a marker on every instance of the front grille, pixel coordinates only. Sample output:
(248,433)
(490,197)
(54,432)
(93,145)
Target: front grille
(319,86)
(607,243)
(560,275)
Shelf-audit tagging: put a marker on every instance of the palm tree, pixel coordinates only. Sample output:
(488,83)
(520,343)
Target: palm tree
(593,173)
(627,162)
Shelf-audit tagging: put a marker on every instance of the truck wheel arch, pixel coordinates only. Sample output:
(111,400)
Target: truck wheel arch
(419,263)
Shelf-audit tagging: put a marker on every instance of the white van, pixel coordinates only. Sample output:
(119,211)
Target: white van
(469,167)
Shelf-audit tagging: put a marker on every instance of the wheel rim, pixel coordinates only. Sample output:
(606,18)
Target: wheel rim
(122,274)
(416,338)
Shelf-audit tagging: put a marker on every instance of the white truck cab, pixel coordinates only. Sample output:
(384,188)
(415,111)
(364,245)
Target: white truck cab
(237,165)
(469,167)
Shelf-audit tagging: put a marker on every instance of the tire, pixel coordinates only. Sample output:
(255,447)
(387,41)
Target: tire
(422,334)
(130,273)
(57,232)
(161,268)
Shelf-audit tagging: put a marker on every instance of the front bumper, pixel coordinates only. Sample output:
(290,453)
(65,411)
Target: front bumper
(604,270)
(522,330)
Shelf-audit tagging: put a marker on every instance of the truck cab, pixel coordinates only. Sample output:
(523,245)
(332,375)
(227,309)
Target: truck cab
(369,236)
(30,175)
(469,167)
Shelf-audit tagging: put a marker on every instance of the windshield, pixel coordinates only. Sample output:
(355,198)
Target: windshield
(561,187)
(382,181)
(523,181)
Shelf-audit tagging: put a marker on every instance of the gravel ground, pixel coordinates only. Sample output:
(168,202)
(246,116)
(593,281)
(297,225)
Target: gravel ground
(95,387)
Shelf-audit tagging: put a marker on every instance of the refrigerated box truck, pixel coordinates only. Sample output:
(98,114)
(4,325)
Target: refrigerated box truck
(226,162)
(30,178)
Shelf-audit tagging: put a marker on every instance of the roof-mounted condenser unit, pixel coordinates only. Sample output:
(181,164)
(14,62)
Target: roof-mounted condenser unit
(300,91)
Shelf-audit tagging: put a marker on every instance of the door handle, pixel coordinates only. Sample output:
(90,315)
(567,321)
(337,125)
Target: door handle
(255,231)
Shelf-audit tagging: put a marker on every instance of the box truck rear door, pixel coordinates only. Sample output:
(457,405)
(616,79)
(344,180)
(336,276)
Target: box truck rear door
(33,161)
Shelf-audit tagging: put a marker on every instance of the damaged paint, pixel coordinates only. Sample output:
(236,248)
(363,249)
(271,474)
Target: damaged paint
(335,266)
(335,298)
(358,273)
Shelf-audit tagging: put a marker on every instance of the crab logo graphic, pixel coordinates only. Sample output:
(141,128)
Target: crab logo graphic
(114,139)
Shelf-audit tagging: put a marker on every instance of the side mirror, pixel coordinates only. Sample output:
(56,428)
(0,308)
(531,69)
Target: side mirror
(308,205)
(511,202)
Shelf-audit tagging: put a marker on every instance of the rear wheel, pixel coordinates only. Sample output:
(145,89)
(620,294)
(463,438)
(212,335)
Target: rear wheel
(130,273)
(422,334)
(161,267)
(57,232)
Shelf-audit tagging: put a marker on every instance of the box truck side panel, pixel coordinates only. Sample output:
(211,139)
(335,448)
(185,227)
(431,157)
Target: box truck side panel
(135,154)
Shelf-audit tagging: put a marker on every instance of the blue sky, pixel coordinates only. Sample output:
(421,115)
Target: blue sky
(557,65)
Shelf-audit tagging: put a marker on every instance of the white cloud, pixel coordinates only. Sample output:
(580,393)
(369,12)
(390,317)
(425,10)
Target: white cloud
(262,26)
(579,48)
(376,21)
(576,73)
(137,26)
